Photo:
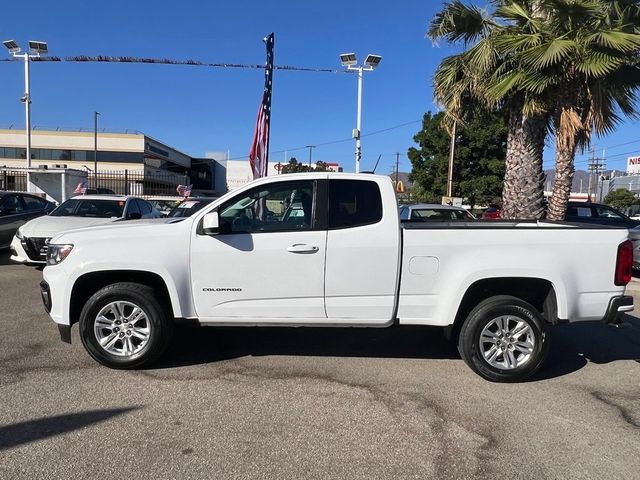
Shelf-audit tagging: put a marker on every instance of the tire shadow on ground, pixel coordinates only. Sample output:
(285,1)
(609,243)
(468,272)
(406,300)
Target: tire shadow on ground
(572,346)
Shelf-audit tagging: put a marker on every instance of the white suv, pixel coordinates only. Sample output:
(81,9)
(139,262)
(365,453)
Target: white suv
(30,242)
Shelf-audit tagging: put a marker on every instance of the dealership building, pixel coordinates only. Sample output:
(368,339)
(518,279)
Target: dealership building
(132,152)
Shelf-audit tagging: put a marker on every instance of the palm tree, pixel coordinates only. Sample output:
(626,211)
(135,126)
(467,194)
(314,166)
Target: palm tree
(581,57)
(574,62)
(466,78)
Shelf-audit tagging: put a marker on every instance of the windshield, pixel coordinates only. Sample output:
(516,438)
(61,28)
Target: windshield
(77,207)
(188,208)
(164,205)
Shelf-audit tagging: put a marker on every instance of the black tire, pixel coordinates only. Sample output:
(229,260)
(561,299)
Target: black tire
(157,315)
(481,316)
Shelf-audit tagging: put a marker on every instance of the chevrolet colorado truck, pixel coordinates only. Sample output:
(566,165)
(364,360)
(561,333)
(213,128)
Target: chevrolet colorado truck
(325,249)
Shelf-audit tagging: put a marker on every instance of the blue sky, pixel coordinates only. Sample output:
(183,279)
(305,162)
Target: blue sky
(199,109)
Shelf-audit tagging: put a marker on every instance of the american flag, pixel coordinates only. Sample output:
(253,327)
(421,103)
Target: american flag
(81,189)
(259,153)
(184,190)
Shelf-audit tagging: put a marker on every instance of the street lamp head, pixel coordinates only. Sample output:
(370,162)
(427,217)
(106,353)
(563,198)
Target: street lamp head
(36,46)
(348,59)
(12,46)
(372,60)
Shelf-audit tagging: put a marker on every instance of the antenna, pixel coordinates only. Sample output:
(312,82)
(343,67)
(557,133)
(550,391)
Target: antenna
(377,161)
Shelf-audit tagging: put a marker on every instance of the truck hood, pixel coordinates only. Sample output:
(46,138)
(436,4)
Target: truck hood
(147,228)
(50,226)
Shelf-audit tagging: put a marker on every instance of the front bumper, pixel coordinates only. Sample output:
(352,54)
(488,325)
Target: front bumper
(617,306)
(19,253)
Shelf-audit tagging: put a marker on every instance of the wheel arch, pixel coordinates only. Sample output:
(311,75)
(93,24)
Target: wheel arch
(539,292)
(89,283)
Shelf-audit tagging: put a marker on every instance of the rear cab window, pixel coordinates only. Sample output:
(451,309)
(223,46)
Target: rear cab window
(354,203)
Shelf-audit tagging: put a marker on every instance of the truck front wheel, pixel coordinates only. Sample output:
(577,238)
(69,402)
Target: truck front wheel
(125,326)
(504,339)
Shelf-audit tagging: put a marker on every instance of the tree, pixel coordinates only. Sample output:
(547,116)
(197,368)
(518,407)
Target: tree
(621,198)
(463,80)
(296,167)
(573,63)
(479,158)
(581,56)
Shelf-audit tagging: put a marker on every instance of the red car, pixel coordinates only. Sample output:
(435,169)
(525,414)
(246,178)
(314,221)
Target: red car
(494,212)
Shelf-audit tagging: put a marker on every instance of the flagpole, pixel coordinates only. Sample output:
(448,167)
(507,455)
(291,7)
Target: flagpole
(259,151)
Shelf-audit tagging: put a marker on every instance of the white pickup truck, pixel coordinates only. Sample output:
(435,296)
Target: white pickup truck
(324,249)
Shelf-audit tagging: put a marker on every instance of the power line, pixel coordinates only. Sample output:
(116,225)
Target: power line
(333,142)
(168,61)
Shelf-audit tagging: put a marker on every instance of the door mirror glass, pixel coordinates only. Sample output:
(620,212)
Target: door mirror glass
(134,216)
(211,223)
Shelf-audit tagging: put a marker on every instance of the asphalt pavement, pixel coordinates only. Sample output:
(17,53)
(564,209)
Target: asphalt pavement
(280,403)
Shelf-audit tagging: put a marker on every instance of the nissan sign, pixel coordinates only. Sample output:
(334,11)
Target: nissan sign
(633,165)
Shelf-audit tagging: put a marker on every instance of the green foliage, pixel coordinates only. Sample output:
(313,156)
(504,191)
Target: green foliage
(296,167)
(621,198)
(478,161)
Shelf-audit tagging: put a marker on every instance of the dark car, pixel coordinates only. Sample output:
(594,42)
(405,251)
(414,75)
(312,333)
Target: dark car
(190,206)
(597,213)
(16,209)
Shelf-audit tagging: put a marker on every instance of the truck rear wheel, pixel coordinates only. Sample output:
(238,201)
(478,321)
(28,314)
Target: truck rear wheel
(504,339)
(125,326)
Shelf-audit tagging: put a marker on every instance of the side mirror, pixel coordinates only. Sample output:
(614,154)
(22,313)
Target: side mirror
(134,216)
(211,223)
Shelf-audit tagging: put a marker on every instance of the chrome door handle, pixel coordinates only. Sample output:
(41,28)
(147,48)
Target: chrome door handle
(302,248)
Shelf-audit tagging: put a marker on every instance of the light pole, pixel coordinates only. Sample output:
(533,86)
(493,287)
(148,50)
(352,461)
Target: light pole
(36,48)
(370,63)
(95,149)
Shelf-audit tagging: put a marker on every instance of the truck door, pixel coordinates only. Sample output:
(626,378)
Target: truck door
(363,253)
(267,262)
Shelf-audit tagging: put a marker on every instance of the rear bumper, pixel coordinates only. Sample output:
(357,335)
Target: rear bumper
(617,306)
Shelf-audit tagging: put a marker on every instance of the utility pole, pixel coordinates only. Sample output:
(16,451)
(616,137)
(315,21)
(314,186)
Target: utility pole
(95,149)
(451,152)
(310,147)
(397,166)
(597,165)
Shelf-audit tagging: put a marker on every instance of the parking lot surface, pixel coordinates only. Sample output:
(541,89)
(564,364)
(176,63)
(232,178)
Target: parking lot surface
(310,403)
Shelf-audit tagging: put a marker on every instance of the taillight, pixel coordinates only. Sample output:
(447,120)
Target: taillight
(624,263)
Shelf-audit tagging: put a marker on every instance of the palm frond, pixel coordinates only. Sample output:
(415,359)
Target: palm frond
(597,64)
(457,21)
(555,51)
(616,40)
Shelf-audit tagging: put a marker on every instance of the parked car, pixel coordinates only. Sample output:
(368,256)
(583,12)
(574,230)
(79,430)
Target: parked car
(425,212)
(190,206)
(99,191)
(494,212)
(347,261)
(597,213)
(17,208)
(30,242)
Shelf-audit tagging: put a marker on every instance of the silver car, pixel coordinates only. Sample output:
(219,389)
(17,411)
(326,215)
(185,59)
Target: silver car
(432,212)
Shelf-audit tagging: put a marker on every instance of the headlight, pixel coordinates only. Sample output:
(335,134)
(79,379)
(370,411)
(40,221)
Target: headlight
(57,253)
(19,235)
